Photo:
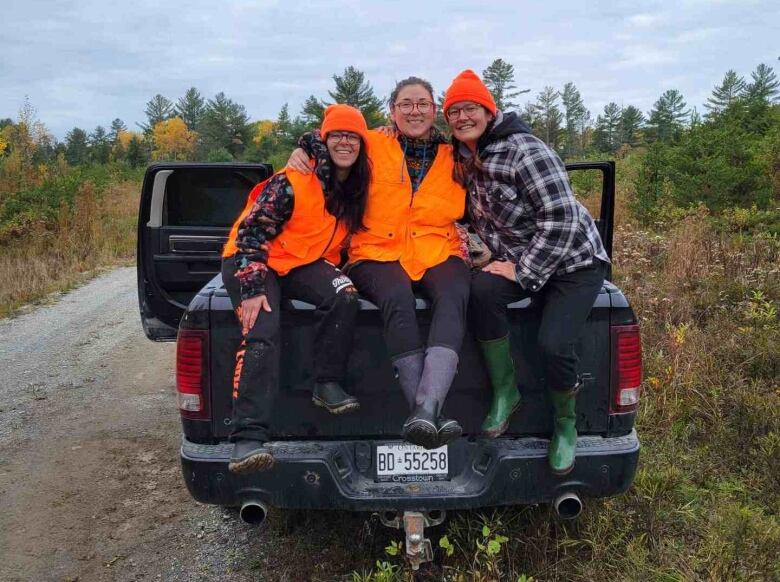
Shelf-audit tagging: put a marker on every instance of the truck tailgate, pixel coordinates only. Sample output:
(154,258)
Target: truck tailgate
(370,376)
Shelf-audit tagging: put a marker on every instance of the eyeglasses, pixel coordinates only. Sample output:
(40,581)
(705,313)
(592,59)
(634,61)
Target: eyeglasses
(406,107)
(337,136)
(470,110)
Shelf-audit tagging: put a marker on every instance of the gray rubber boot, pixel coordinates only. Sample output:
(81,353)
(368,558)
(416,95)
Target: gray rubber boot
(439,370)
(408,370)
(425,426)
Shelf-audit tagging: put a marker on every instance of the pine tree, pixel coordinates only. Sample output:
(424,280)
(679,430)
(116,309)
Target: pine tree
(606,136)
(440,123)
(530,115)
(283,130)
(500,80)
(575,113)
(312,112)
(191,108)
(548,117)
(116,126)
(726,93)
(225,125)
(157,109)
(76,147)
(631,120)
(765,86)
(135,153)
(99,146)
(353,89)
(668,115)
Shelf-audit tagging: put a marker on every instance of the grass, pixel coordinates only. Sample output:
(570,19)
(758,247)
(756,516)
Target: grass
(705,504)
(96,230)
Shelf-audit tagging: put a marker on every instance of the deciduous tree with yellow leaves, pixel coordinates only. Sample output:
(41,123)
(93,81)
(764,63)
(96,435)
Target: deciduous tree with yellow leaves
(172,140)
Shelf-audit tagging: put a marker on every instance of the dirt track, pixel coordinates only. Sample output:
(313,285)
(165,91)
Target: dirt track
(90,487)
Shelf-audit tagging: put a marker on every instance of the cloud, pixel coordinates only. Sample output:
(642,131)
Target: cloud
(696,36)
(645,20)
(84,62)
(643,56)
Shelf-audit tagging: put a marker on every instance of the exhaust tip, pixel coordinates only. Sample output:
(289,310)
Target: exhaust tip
(253,512)
(568,505)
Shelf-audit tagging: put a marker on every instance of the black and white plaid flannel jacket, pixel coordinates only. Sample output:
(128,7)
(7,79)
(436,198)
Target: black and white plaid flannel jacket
(522,206)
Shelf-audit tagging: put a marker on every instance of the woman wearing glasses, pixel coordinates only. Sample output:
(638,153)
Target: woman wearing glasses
(411,239)
(545,245)
(287,243)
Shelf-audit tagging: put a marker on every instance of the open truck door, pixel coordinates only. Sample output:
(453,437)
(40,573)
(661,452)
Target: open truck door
(185,214)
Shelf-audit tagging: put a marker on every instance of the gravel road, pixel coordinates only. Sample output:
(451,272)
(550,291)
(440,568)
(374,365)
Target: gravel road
(90,484)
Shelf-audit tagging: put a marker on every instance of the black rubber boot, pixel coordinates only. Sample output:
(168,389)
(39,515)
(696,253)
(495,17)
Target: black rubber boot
(249,457)
(421,427)
(449,430)
(331,396)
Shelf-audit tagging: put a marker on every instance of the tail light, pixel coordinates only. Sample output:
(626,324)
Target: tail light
(192,373)
(626,367)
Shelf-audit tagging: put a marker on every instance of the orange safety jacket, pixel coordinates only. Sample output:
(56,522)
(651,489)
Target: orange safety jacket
(311,233)
(418,230)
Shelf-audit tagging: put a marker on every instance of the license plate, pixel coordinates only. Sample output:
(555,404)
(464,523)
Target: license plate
(406,463)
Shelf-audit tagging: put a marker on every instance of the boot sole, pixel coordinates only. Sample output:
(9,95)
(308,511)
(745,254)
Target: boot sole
(422,433)
(338,409)
(448,435)
(561,473)
(501,428)
(252,464)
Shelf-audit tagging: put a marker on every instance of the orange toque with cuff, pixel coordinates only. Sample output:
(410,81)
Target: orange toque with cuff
(467,86)
(340,117)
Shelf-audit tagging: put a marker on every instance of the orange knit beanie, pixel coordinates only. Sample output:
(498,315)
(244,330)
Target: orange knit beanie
(343,118)
(467,86)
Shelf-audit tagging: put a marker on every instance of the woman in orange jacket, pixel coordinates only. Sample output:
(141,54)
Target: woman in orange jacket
(411,241)
(287,242)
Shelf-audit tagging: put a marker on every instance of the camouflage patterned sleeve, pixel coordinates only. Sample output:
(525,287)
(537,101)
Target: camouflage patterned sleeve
(272,209)
(312,143)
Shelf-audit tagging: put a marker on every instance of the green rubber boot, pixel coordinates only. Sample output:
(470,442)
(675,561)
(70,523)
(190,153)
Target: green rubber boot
(506,398)
(564,439)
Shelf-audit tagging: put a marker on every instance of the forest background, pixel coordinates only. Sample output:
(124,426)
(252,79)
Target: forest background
(696,252)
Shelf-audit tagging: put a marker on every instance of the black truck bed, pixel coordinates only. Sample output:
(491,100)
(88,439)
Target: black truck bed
(370,376)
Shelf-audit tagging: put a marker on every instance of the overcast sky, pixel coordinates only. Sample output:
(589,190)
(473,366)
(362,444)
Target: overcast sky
(84,62)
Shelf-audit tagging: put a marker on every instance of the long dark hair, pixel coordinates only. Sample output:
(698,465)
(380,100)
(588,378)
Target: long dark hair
(347,200)
(464,169)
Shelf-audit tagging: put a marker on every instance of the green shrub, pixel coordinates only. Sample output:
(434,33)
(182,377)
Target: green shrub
(727,162)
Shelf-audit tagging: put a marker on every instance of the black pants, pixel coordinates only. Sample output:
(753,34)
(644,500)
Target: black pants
(256,380)
(567,300)
(389,287)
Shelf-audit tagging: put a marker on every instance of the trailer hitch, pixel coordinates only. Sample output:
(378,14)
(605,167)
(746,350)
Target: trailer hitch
(418,547)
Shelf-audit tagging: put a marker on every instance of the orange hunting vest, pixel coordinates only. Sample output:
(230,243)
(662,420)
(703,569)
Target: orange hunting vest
(310,234)
(418,231)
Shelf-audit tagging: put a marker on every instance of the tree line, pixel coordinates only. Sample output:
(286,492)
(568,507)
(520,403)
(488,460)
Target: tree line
(194,127)
(219,129)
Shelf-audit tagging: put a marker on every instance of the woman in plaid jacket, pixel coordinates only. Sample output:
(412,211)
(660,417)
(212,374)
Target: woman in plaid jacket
(544,244)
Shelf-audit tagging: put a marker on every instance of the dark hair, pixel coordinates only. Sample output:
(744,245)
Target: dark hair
(347,200)
(464,169)
(406,83)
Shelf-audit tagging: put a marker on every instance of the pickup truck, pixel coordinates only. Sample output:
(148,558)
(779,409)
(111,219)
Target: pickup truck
(358,462)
